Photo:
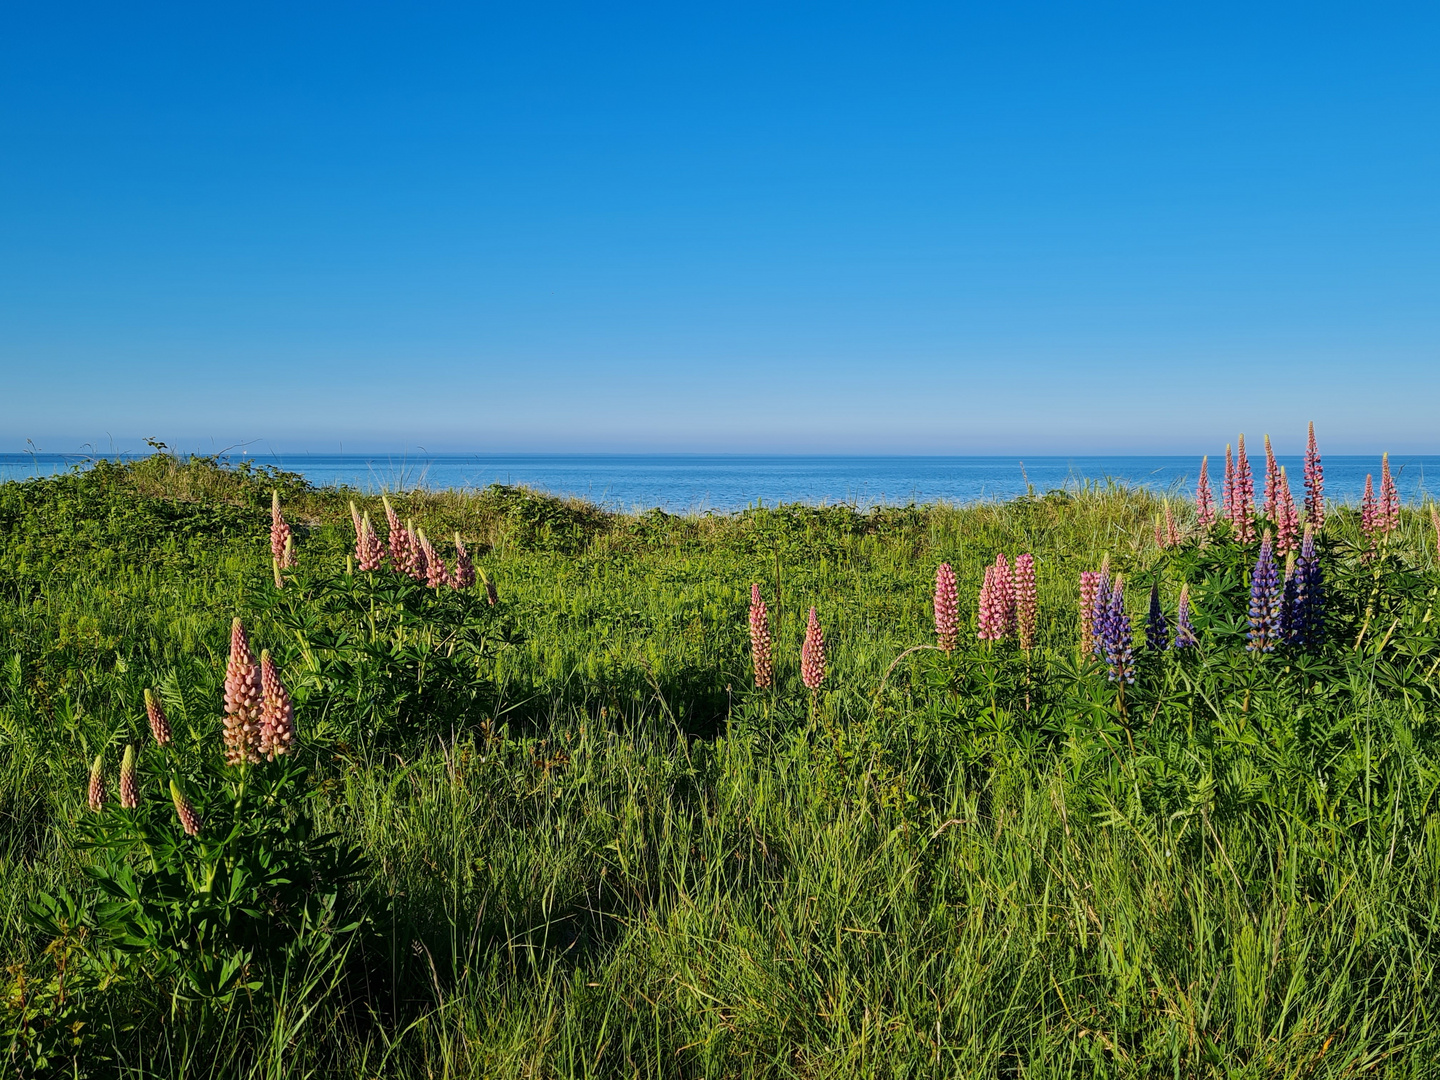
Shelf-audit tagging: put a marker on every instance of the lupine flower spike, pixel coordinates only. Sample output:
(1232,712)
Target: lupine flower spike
(1204,500)
(1369,511)
(129,782)
(280,538)
(1287,521)
(1389,518)
(1172,531)
(369,551)
(1314,483)
(1265,599)
(414,553)
(1159,532)
(1116,636)
(1227,505)
(1435,521)
(1101,611)
(760,640)
(991,613)
(1243,512)
(399,539)
(947,607)
(464,574)
(1027,605)
(491,593)
(1157,630)
(1089,588)
(1306,609)
(435,572)
(277,713)
(95,796)
(1272,481)
(1184,632)
(812,654)
(244,694)
(1288,600)
(1005,594)
(159,725)
(185,810)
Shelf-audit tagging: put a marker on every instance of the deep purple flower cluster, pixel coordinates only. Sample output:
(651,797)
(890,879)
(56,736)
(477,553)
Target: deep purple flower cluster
(1157,630)
(1265,601)
(1184,632)
(1304,598)
(1116,639)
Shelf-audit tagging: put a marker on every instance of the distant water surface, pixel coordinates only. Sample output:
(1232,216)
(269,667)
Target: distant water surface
(684,483)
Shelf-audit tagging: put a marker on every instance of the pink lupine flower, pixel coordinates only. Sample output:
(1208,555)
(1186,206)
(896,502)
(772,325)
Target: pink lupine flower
(991,615)
(491,593)
(1089,589)
(159,725)
(1204,500)
(1272,481)
(1172,531)
(1005,594)
(277,712)
(947,608)
(1227,505)
(1243,511)
(369,551)
(244,693)
(1159,533)
(95,795)
(1369,510)
(463,575)
(129,782)
(760,640)
(185,811)
(1026,601)
(435,572)
(1287,520)
(414,563)
(399,539)
(1389,516)
(812,654)
(280,538)
(1435,521)
(1314,483)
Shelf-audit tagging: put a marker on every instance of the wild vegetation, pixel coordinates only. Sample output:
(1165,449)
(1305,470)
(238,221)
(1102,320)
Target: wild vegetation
(396,823)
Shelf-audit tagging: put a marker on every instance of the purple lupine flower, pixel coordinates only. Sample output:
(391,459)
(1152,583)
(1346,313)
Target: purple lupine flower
(1184,632)
(1089,589)
(1116,636)
(1289,595)
(947,607)
(1264,601)
(760,640)
(1287,521)
(1157,631)
(1307,610)
(1272,480)
(1101,610)
(1243,511)
(1026,600)
(1389,518)
(1314,483)
(1204,500)
(812,654)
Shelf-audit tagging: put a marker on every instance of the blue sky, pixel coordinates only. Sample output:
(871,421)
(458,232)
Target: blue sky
(827,228)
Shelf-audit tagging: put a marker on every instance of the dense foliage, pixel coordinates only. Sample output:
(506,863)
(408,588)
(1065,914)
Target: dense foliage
(564,834)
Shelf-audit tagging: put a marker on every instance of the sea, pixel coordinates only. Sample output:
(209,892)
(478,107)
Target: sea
(723,483)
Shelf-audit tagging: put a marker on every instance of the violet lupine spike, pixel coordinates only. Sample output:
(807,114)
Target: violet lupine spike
(1389,518)
(1369,510)
(1027,603)
(129,781)
(1184,631)
(1265,596)
(1172,530)
(1227,504)
(1314,483)
(1272,480)
(1204,498)
(398,538)
(1289,598)
(369,551)
(947,607)
(155,714)
(760,647)
(1089,589)
(185,810)
(1243,516)
(1157,630)
(243,696)
(95,793)
(812,654)
(280,538)
(463,576)
(1102,607)
(277,712)
(1287,520)
(1307,609)
(1116,636)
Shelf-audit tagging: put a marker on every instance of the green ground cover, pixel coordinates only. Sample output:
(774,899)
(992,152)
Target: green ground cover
(564,835)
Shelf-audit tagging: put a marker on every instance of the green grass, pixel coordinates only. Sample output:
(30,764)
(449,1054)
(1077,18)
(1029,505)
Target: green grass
(593,849)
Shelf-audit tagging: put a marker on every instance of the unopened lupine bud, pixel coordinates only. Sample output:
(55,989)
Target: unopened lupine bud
(277,713)
(155,713)
(1314,483)
(275,566)
(243,696)
(1027,603)
(1204,500)
(464,574)
(95,796)
(185,810)
(812,654)
(947,608)
(280,538)
(129,782)
(760,640)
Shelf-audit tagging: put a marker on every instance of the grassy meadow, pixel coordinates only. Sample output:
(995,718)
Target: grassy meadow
(565,835)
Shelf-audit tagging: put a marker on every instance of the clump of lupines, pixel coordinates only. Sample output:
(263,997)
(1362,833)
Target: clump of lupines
(1116,638)
(281,549)
(1089,591)
(129,782)
(1026,601)
(1265,600)
(1272,480)
(277,712)
(463,575)
(185,810)
(1306,605)
(1287,521)
(760,658)
(95,794)
(1242,509)
(369,551)
(1314,483)
(1184,632)
(1157,630)
(1204,500)
(812,654)
(947,607)
(244,695)
(1389,518)
(159,725)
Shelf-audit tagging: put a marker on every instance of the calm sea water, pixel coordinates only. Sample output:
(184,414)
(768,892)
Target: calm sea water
(699,482)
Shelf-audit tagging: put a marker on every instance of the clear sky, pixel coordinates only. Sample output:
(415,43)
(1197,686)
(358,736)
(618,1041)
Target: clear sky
(891,228)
